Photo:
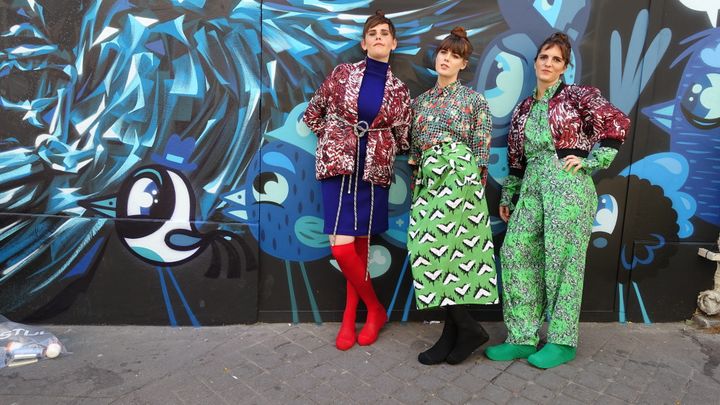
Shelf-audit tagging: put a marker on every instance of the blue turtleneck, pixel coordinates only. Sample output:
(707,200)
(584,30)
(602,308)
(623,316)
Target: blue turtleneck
(371,90)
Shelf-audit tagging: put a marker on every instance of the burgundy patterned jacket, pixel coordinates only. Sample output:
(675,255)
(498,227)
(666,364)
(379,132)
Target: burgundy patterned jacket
(579,118)
(337,142)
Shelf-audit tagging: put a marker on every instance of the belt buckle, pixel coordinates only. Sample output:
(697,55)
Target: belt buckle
(361,128)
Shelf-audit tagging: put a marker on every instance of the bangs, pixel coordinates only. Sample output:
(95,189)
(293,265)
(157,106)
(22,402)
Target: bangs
(375,20)
(456,45)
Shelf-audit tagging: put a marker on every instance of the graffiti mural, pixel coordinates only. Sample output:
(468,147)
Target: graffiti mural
(154,168)
(110,90)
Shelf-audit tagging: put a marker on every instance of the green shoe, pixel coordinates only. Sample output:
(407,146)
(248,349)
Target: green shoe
(552,355)
(509,351)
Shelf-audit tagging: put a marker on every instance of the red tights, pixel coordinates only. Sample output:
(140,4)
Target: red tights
(352,260)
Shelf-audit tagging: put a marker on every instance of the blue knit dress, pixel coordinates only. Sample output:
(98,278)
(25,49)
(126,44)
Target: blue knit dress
(369,103)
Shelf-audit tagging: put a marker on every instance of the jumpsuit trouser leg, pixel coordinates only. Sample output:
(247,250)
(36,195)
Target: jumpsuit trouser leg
(523,259)
(543,257)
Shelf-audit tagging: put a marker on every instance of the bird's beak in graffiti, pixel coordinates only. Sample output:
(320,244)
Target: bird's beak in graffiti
(236,201)
(105,206)
(662,114)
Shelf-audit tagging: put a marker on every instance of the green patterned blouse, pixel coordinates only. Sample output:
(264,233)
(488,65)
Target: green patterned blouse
(538,140)
(451,113)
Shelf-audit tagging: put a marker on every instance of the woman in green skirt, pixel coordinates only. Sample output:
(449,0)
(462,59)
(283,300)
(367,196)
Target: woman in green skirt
(450,241)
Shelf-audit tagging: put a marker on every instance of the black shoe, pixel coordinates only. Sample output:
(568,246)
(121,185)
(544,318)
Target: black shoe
(470,335)
(440,350)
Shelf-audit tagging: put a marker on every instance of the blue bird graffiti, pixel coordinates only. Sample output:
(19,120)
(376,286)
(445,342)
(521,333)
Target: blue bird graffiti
(156,208)
(155,212)
(280,192)
(692,119)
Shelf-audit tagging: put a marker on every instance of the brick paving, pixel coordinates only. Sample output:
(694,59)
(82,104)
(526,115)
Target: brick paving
(298,364)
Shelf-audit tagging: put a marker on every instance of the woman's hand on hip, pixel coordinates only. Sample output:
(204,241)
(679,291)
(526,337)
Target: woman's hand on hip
(572,163)
(505,213)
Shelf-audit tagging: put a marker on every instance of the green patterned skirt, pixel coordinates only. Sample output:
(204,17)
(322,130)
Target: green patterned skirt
(449,236)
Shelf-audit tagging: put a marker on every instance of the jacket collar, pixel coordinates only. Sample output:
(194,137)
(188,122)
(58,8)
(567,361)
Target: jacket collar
(550,92)
(525,105)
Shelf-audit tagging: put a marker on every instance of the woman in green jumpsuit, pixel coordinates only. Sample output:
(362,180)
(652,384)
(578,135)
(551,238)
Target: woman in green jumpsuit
(551,158)
(450,241)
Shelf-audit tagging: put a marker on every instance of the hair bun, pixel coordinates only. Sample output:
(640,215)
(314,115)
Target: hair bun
(561,36)
(379,13)
(459,32)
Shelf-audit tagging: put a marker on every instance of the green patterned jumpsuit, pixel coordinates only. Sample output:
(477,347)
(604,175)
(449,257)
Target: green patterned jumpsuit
(543,256)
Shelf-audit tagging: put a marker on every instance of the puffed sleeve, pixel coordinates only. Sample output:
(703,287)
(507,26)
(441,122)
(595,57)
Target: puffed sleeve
(607,124)
(515,152)
(314,116)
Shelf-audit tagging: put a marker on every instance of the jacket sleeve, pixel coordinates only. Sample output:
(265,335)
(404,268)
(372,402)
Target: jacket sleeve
(515,152)
(314,116)
(401,128)
(482,131)
(605,122)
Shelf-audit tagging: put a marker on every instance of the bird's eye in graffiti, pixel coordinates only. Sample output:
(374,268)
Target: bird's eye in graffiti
(143,197)
(605,218)
(504,83)
(701,102)
(149,193)
(271,188)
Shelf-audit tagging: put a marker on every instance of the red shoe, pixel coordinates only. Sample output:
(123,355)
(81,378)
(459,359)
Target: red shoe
(375,321)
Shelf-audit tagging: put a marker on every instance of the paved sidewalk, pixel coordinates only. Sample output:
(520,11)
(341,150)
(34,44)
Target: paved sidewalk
(281,363)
